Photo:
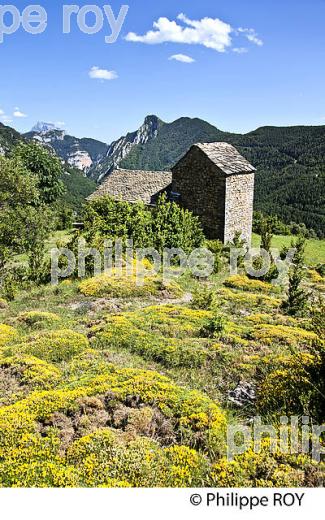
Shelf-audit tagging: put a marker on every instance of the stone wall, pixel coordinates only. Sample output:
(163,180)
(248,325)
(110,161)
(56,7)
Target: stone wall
(239,206)
(202,190)
(223,202)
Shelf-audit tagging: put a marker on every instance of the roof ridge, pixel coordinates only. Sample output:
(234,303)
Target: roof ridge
(226,157)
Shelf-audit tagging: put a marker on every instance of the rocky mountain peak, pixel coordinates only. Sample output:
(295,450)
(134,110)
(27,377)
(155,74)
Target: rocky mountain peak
(42,127)
(119,149)
(149,129)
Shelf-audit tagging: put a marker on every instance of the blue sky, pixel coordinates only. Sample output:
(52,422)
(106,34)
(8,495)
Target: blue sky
(271,72)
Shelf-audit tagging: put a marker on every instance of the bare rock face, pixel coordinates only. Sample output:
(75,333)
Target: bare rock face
(119,149)
(78,153)
(81,160)
(242,395)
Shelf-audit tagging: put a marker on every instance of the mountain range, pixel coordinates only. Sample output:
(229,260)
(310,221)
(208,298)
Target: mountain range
(290,161)
(78,153)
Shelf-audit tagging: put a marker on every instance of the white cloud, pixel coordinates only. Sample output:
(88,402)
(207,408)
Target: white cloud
(240,50)
(209,32)
(5,119)
(18,113)
(182,57)
(103,74)
(251,36)
(212,33)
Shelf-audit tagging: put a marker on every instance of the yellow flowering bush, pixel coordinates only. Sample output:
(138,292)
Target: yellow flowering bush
(38,318)
(287,386)
(291,336)
(261,469)
(32,371)
(197,421)
(247,284)
(55,346)
(315,277)
(7,334)
(170,320)
(248,299)
(166,334)
(126,282)
(111,459)
(276,319)
(187,467)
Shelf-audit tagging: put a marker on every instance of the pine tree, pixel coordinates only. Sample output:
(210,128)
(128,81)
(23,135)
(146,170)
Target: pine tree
(267,225)
(297,299)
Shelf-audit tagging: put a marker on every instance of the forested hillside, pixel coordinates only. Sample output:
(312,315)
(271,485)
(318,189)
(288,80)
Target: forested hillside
(290,179)
(77,186)
(8,138)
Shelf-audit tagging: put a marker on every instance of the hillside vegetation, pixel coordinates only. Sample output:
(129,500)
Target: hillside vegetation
(107,382)
(290,179)
(115,390)
(77,186)
(8,139)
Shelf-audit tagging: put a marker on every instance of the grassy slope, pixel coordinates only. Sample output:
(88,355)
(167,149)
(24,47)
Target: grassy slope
(315,249)
(213,366)
(290,180)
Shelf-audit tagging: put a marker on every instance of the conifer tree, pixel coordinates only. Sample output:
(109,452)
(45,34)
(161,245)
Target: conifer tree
(297,299)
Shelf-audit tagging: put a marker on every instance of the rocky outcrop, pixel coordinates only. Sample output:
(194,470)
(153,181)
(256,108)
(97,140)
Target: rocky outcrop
(78,153)
(42,127)
(121,148)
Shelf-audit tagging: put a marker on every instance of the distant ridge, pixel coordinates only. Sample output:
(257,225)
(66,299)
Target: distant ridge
(290,161)
(41,126)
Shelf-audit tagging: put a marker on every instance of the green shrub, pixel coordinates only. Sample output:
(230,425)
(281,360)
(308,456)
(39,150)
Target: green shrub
(297,298)
(213,327)
(205,299)
(38,318)
(320,268)
(167,225)
(55,346)
(217,248)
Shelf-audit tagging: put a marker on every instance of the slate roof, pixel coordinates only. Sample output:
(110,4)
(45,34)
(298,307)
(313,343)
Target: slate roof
(134,185)
(226,157)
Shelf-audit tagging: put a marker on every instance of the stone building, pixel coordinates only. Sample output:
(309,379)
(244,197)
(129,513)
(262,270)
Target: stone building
(212,180)
(134,185)
(216,183)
